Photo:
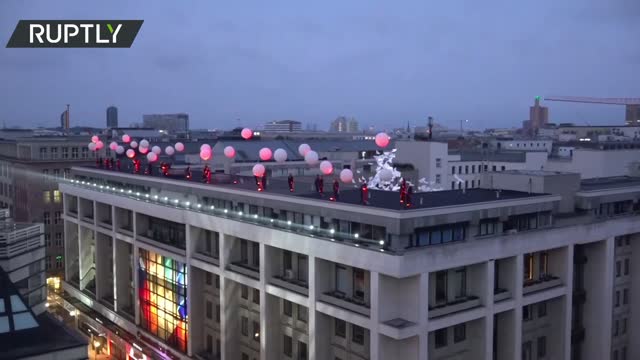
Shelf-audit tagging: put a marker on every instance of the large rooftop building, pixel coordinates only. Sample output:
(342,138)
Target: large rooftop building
(532,264)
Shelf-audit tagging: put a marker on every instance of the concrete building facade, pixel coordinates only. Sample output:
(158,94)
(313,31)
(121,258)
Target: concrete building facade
(29,172)
(220,272)
(172,123)
(22,254)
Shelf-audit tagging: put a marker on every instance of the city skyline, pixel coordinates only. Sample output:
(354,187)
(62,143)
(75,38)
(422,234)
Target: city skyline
(382,64)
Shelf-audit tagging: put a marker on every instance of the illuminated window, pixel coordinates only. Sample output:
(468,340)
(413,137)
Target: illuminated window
(57,196)
(46,197)
(528,267)
(163,298)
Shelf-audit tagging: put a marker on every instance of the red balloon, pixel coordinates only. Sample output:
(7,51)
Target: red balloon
(265,154)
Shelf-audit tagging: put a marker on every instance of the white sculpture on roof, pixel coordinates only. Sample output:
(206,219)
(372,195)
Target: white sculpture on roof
(388,178)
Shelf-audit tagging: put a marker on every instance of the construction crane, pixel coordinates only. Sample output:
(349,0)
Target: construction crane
(632,105)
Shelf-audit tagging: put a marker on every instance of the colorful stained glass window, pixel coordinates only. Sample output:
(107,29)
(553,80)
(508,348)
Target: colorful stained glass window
(163,298)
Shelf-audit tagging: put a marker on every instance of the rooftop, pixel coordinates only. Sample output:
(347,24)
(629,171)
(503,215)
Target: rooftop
(348,194)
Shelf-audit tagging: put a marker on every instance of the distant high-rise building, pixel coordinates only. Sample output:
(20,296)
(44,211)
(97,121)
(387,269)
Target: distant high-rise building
(283,126)
(342,124)
(538,118)
(169,122)
(64,119)
(112,117)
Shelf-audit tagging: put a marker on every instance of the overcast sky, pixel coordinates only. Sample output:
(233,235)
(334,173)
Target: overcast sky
(382,62)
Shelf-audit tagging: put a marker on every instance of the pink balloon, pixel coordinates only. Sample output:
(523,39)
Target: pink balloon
(131,153)
(143,150)
(346,176)
(94,139)
(258,170)
(229,152)
(113,146)
(179,146)
(303,149)
(126,138)
(265,154)
(382,140)
(246,133)
(326,167)
(205,155)
(152,157)
(99,145)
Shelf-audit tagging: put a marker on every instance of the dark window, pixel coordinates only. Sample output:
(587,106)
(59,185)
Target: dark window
(256,331)
(287,345)
(357,334)
(209,344)
(453,170)
(207,278)
(218,313)
(286,260)
(462,282)
(526,313)
(244,326)
(441,287)
(487,227)
(302,313)
(617,298)
(209,310)
(358,284)
(625,296)
(542,309)
(340,328)
(441,338)
(542,347)
(287,308)
(618,268)
(256,296)
(245,356)
(244,292)
(459,333)
(302,351)
(466,169)
(626,266)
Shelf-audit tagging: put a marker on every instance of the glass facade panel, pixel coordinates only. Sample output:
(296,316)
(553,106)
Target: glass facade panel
(163,298)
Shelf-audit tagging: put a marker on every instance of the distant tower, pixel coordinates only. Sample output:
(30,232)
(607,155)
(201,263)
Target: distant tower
(64,119)
(430,124)
(538,118)
(112,117)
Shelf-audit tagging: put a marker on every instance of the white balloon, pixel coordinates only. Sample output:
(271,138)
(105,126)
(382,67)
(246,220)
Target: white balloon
(280,155)
(311,158)
(258,170)
(92,146)
(152,157)
(169,150)
(385,175)
(133,144)
(326,167)
(131,153)
(180,146)
(120,149)
(157,150)
(144,143)
(303,149)
(346,176)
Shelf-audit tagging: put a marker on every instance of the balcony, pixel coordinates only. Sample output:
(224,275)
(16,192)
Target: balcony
(207,257)
(245,269)
(338,298)
(126,229)
(461,304)
(106,224)
(88,219)
(72,213)
(543,283)
(501,294)
(290,283)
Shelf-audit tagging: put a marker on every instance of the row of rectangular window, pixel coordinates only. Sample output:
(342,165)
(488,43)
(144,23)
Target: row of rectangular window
(481,168)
